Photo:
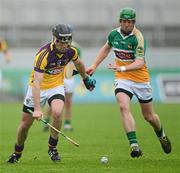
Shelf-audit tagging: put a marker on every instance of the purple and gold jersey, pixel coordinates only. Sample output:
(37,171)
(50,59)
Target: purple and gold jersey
(52,63)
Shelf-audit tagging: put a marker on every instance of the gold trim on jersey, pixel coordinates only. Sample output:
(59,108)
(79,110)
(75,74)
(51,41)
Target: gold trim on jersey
(140,47)
(59,56)
(41,55)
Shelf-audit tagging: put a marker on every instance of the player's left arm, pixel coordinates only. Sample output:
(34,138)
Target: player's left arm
(78,63)
(137,64)
(88,82)
(80,68)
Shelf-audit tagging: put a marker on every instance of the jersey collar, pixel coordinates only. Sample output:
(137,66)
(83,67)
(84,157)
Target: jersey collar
(124,37)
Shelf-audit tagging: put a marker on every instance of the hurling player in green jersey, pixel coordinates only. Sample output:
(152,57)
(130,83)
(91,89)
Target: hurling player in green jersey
(131,78)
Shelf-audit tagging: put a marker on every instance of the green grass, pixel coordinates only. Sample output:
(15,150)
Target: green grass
(98,129)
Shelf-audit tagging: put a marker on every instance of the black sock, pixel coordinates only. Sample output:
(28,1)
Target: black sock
(160,133)
(52,142)
(18,149)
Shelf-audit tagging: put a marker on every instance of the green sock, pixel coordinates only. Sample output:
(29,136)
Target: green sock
(132,137)
(67,122)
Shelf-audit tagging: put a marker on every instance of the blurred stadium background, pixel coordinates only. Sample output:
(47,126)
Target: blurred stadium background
(26,25)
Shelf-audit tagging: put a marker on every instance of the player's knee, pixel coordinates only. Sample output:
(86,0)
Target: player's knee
(148,117)
(25,125)
(56,114)
(124,107)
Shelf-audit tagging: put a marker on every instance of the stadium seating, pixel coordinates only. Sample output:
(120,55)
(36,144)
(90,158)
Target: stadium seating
(27,23)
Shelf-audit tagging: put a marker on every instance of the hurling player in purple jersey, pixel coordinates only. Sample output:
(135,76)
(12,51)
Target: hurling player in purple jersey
(47,84)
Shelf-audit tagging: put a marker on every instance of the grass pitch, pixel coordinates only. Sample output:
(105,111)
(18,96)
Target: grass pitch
(98,129)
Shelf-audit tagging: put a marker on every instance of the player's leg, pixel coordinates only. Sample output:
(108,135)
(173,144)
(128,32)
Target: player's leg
(47,117)
(68,112)
(124,94)
(128,123)
(57,108)
(22,133)
(144,95)
(153,119)
(24,126)
(69,90)
(56,102)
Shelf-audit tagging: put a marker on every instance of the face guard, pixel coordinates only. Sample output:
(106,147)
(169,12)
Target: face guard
(63,33)
(64,39)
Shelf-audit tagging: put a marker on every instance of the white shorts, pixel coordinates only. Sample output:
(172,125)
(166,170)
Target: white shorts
(142,91)
(44,95)
(69,85)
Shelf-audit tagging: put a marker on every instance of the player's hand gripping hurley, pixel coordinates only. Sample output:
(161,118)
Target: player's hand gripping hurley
(52,127)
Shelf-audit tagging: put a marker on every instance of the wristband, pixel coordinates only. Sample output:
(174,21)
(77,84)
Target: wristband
(122,68)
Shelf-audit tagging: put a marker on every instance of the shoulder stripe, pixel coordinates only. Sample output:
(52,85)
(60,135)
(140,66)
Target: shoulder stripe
(139,37)
(75,56)
(40,59)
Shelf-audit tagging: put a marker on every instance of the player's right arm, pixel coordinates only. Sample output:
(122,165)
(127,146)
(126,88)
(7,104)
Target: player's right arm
(36,94)
(103,53)
(39,66)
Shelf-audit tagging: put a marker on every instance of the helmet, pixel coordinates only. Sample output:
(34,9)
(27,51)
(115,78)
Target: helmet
(127,14)
(62,32)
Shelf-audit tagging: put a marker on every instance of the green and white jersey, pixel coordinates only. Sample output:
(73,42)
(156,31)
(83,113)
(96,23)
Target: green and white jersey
(127,49)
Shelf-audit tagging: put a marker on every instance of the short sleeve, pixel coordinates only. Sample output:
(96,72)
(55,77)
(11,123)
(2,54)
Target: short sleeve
(141,46)
(109,39)
(75,56)
(41,61)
